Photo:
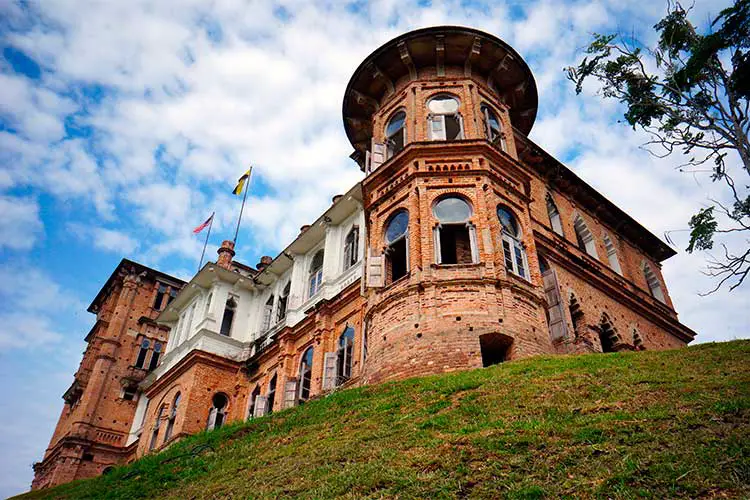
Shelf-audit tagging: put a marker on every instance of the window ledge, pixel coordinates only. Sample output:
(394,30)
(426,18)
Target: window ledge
(457,266)
(402,279)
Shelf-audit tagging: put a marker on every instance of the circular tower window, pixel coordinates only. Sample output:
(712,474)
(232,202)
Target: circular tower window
(397,226)
(443,105)
(452,209)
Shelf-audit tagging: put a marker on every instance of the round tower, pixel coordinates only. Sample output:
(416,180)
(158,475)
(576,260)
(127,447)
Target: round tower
(452,278)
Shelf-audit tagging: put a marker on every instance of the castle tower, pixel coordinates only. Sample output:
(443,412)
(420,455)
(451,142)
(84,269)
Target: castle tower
(454,200)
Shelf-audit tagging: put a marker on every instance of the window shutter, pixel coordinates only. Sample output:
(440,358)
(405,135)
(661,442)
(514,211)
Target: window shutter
(474,244)
(436,127)
(375,271)
(261,402)
(290,393)
(462,134)
(211,419)
(436,239)
(377,156)
(557,325)
(329,371)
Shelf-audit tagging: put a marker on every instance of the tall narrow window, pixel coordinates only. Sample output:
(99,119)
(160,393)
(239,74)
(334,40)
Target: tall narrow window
(554,215)
(454,235)
(492,127)
(576,314)
(160,292)
(172,295)
(267,313)
(218,414)
(397,251)
(155,432)
(155,356)
(637,340)
(608,335)
(351,252)
(316,274)
(344,355)
(614,262)
(395,134)
(513,250)
(253,396)
(228,319)
(208,302)
(188,330)
(271,394)
(172,417)
(140,361)
(654,285)
(445,123)
(283,302)
(584,237)
(305,374)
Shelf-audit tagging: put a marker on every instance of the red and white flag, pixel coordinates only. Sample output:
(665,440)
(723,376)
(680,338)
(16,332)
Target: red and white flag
(204,225)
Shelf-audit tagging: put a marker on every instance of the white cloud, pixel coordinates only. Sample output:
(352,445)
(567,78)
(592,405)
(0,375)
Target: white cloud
(108,240)
(20,225)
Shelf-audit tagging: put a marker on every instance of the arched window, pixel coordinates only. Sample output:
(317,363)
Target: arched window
(637,340)
(253,397)
(344,355)
(271,394)
(140,361)
(455,236)
(554,215)
(584,237)
(157,424)
(397,241)
(218,414)
(316,273)
(283,302)
(576,314)
(208,302)
(614,262)
(228,319)
(395,134)
(161,291)
(444,121)
(267,313)
(155,356)
(351,250)
(492,127)
(608,335)
(172,417)
(513,251)
(653,283)
(305,374)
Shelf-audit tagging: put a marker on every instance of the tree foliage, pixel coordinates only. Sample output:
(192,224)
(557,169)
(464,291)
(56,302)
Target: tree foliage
(690,94)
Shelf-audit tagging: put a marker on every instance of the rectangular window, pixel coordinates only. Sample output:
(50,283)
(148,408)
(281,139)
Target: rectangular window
(515,257)
(315,280)
(160,292)
(455,244)
(155,356)
(396,267)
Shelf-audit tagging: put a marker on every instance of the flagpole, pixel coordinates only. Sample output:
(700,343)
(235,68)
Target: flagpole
(247,186)
(203,254)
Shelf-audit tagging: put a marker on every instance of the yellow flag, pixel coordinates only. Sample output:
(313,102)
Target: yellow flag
(241,181)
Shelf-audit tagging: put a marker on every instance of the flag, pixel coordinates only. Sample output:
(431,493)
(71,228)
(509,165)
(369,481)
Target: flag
(204,225)
(241,181)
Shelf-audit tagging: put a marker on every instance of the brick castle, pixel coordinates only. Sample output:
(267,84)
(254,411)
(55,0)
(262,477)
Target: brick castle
(464,245)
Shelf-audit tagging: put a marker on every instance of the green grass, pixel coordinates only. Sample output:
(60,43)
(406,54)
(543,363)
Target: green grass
(627,425)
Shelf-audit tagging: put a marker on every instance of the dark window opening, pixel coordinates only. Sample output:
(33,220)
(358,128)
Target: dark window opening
(351,254)
(253,397)
(218,412)
(88,457)
(107,470)
(283,301)
(155,433)
(495,348)
(155,356)
(455,244)
(160,293)
(344,355)
(129,392)
(271,395)
(395,134)
(228,319)
(305,375)
(140,361)
(172,295)
(608,336)
(396,260)
(452,127)
(576,314)
(172,418)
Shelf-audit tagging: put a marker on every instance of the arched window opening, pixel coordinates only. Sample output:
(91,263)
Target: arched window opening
(455,236)
(654,285)
(228,318)
(608,335)
(576,315)
(107,470)
(267,313)
(395,134)
(283,302)
(316,273)
(513,250)
(444,120)
(638,341)
(344,356)
(218,414)
(172,417)
(584,237)
(253,398)
(554,215)
(614,262)
(155,356)
(397,250)
(172,295)
(140,361)
(161,291)
(155,432)
(271,394)
(305,374)
(495,348)
(351,250)
(493,129)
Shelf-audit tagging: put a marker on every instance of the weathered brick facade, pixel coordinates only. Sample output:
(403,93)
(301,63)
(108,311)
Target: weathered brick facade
(527,260)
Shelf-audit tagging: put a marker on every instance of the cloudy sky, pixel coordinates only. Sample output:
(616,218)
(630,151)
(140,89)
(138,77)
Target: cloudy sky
(125,124)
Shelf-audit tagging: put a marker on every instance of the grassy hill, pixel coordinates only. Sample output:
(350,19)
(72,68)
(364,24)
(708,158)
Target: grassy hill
(650,424)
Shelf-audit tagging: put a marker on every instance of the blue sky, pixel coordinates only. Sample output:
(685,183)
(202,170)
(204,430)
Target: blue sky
(124,124)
